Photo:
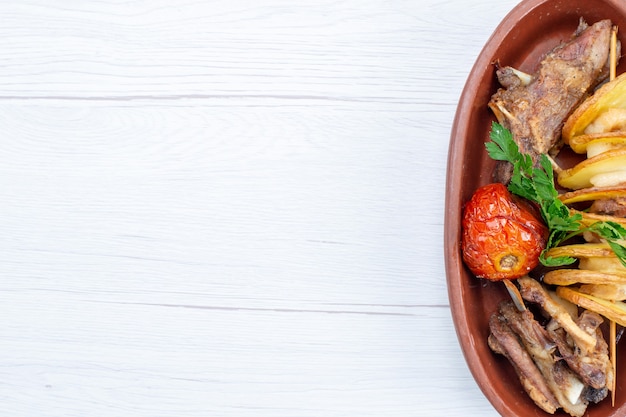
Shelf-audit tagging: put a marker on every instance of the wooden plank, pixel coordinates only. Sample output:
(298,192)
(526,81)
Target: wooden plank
(230,208)
(308,195)
(373,51)
(81,355)
(169,260)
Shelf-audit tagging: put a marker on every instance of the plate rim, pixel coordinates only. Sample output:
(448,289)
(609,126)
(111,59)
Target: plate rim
(453,203)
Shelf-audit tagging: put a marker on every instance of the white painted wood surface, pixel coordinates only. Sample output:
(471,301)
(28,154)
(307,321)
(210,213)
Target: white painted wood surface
(231,208)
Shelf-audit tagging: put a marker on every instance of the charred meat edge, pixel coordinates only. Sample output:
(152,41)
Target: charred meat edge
(504,341)
(535,110)
(549,357)
(560,379)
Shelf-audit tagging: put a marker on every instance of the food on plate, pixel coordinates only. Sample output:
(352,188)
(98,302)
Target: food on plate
(569,356)
(512,226)
(502,237)
(504,341)
(534,292)
(562,364)
(596,143)
(592,194)
(613,310)
(534,110)
(536,184)
(601,170)
(615,292)
(591,116)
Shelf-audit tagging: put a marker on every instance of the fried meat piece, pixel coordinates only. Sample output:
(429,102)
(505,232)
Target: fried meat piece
(504,341)
(568,356)
(534,112)
(534,292)
(609,206)
(562,381)
(595,367)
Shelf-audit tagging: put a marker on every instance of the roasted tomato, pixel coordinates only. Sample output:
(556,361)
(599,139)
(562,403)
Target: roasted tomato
(502,234)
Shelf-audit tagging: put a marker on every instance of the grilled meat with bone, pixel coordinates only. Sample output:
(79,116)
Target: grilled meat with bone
(534,292)
(594,368)
(534,110)
(563,382)
(504,341)
(557,366)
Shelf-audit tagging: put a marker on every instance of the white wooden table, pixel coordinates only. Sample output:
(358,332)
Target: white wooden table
(230,208)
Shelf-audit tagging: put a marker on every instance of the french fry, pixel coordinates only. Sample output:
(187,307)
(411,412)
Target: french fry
(582,276)
(615,292)
(593,193)
(612,310)
(609,264)
(589,218)
(582,250)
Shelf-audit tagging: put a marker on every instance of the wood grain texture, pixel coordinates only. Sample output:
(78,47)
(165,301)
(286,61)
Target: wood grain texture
(230,208)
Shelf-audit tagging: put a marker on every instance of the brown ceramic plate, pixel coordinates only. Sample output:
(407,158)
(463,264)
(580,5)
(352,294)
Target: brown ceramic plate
(525,34)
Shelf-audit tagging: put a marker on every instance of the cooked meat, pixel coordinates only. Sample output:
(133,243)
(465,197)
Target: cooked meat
(534,292)
(574,370)
(595,367)
(510,77)
(535,112)
(503,340)
(596,362)
(609,206)
(562,381)
(593,395)
(533,335)
(570,389)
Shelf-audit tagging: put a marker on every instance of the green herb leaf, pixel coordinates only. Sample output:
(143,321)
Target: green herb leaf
(536,183)
(558,261)
(619,250)
(613,233)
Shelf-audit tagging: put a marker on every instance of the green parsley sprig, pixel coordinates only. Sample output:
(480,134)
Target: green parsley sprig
(537,184)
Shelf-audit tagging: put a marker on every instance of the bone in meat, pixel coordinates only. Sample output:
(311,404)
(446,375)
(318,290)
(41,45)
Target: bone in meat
(609,206)
(594,367)
(535,112)
(503,340)
(532,291)
(562,381)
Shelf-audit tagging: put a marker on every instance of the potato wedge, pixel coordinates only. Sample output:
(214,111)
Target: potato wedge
(615,292)
(593,193)
(583,276)
(590,218)
(611,120)
(610,264)
(609,179)
(609,140)
(610,95)
(582,175)
(592,257)
(582,250)
(612,310)
(597,147)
